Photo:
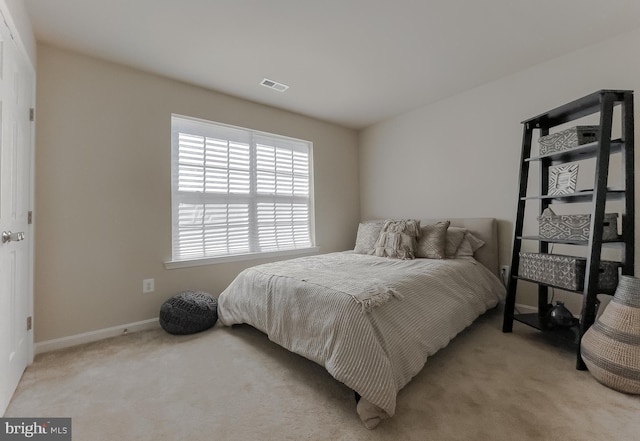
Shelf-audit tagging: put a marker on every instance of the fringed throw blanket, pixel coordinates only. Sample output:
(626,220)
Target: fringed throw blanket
(398,239)
(342,273)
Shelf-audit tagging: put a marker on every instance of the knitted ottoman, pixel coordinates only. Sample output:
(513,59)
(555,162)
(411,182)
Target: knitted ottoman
(189,312)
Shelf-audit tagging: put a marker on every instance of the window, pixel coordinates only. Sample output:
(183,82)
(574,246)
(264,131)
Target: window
(237,191)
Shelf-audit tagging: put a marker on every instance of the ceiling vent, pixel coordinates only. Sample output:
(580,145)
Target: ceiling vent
(274,85)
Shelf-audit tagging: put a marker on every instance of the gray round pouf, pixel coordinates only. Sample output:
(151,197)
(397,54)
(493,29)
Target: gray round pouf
(189,312)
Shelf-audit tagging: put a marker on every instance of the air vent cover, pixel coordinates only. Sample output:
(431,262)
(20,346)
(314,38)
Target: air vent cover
(274,85)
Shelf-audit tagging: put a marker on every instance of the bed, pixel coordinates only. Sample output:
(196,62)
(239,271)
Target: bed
(371,321)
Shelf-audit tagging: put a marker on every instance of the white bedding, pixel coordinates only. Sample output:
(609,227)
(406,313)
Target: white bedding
(374,348)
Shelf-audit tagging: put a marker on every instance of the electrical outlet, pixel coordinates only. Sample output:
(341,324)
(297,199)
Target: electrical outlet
(504,274)
(148,285)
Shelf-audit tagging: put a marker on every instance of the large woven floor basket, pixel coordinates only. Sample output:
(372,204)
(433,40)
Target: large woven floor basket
(611,346)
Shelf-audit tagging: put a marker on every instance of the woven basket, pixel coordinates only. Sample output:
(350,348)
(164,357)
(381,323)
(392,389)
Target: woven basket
(611,347)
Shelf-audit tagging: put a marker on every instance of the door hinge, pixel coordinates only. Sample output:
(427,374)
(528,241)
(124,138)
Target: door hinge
(29,323)
(32,114)
(30,217)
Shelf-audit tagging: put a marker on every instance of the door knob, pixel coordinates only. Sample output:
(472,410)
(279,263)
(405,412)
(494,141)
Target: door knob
(8,236)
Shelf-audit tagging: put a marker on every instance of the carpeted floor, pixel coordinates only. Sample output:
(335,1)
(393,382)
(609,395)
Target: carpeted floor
(233,384)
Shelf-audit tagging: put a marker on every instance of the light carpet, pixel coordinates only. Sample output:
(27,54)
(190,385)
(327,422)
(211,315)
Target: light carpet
(234,384)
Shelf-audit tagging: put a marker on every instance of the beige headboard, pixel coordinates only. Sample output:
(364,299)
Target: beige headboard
(485,228)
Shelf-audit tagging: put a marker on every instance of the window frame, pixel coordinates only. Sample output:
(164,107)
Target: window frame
(178,123)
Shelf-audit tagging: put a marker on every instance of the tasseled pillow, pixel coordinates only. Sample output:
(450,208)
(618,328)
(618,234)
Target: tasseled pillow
(398,239)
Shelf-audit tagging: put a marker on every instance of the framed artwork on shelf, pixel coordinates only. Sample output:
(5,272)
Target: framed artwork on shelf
(563,179)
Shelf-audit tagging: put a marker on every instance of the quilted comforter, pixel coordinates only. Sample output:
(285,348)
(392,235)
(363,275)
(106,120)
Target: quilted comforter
(370,321)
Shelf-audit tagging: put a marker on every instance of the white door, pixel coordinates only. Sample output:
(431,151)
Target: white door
(17,81)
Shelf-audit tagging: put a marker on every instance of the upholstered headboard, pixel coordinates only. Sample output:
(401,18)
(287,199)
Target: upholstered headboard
(485,228)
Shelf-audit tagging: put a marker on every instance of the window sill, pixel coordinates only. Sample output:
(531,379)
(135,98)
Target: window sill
(175,264)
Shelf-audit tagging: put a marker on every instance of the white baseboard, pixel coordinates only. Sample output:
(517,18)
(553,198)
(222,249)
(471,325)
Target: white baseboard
(100,334)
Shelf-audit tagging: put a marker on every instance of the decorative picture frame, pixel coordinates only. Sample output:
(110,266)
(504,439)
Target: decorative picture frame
(563,179)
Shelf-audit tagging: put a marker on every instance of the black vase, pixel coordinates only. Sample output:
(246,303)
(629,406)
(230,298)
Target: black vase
(560,316)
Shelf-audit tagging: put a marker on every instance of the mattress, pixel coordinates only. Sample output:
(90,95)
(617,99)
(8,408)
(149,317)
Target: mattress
(318,307)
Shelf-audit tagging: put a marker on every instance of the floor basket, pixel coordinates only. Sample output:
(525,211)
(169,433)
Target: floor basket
(611,346)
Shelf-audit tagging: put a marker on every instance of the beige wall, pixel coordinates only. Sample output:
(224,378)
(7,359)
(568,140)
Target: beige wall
(103,216)
(103,213)
(460,157)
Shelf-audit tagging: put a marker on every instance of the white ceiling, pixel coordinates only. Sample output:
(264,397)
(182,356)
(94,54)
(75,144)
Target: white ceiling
(352,62)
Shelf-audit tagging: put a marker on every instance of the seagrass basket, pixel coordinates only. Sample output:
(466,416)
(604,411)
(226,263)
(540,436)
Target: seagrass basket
(611,346)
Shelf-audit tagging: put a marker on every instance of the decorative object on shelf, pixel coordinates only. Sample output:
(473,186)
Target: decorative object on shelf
(611,346)
(563,179)
(566,271)
(560,316)
(189,312)
(574,226)
(568,139)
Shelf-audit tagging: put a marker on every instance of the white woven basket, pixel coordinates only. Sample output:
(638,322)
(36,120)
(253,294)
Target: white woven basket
(611,347)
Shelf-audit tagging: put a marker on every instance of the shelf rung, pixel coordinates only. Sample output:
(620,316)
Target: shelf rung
(580,152)
(568,334)
(617,241)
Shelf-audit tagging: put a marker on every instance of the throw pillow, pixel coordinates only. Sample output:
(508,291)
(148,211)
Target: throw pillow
(368,233)
(455,235)
(433,241)
(398,239)
(470,244)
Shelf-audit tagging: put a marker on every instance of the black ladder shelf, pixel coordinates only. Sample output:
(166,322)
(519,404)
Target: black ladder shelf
(602,102)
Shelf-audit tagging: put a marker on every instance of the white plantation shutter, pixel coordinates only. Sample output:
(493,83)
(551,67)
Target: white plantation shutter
(237,191)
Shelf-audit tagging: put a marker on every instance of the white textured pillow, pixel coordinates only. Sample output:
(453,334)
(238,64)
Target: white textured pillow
(455,236)
(433,240)
(398,239)
(368,233)
(469,245)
